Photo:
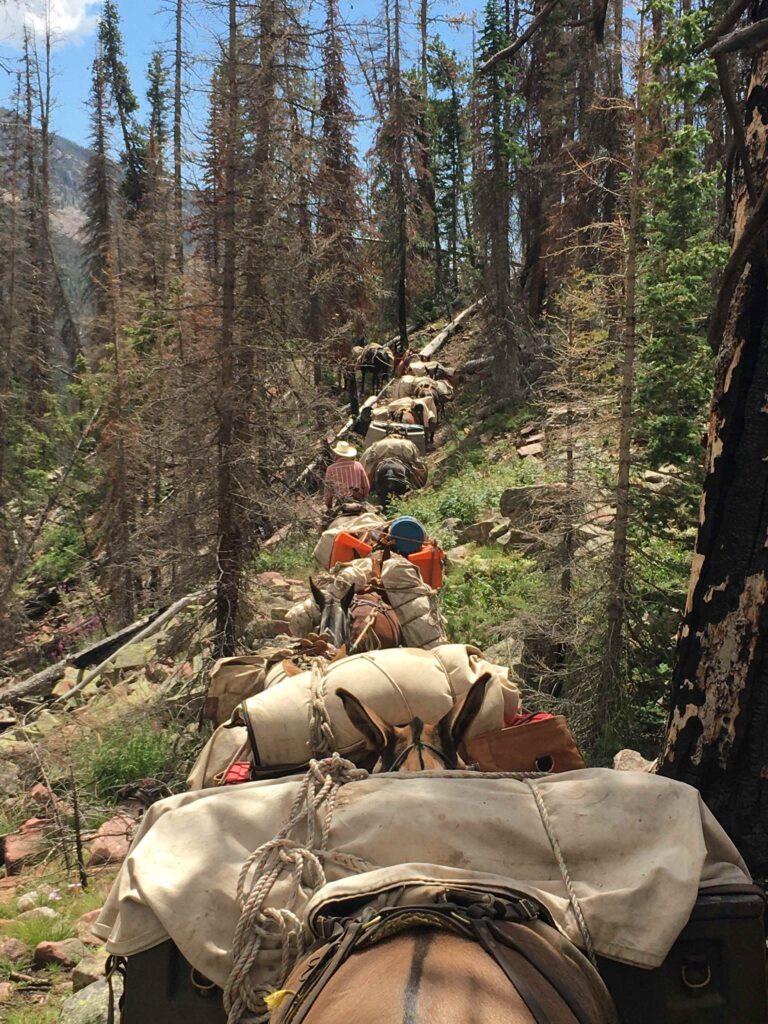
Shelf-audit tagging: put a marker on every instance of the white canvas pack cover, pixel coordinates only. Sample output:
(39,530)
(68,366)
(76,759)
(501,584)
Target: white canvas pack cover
(349,524)
(637,848)
(395,448)
(399,684)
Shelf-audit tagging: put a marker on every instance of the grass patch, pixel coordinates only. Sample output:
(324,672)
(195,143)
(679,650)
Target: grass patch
(37,930)
(127,751)
(31,1014)
(465,496)
(292,557)
(484,592)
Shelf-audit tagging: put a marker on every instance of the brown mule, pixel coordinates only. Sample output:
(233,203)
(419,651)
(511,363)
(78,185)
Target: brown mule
(470,959)
(416,747)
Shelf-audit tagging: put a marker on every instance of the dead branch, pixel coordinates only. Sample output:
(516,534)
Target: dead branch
(522,39)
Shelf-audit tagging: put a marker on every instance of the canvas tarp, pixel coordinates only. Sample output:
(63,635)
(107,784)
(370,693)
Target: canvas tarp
(424,410)
(637,848)
(395,448)
(356,525)
(404,387)
(234,679)
(398,684)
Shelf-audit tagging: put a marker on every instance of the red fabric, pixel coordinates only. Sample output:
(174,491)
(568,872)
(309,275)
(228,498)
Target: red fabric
(240,771)
(345,479)
(526,717)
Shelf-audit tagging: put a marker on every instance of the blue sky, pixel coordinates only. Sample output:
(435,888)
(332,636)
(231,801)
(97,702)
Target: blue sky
(148,25)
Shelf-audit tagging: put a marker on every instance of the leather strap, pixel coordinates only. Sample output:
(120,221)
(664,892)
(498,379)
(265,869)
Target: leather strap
(471,920)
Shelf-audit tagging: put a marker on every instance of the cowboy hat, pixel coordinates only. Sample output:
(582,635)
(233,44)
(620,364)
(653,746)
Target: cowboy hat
(344,450)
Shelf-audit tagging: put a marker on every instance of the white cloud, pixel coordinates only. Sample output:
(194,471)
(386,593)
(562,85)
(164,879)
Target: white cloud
(71,20)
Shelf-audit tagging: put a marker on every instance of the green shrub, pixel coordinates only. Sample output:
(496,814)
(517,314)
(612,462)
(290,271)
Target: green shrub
(37,930)
(483,594)
(293,556)
(465,496)
(128,751)
(63,554)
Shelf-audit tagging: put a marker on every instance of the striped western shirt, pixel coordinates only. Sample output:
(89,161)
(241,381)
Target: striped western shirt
(345,479)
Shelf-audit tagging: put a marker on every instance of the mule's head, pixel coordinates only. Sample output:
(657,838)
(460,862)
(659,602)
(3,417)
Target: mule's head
(416,747)
(334,614)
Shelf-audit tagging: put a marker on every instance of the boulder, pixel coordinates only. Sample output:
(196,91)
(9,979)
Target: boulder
(112,841)
(89,969)
(90,1005)
(528,451)
(628,760)
(28,900)
(457,554)
(66,953)
(39,914)
(520,503)
(22,846)
(43,797)
(478,533)
(500,528)
(14,950)
(517,539)
(83,928)
(6,991)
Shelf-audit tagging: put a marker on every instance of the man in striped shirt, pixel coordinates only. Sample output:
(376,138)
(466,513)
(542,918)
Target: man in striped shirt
(345,478)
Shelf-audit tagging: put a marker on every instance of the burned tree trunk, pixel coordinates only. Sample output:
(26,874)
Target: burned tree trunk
(717,735)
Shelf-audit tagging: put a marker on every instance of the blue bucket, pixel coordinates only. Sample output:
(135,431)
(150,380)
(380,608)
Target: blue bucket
(408,535)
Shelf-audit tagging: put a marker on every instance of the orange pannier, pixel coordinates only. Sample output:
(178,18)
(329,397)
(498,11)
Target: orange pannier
(429,560)
(347,547)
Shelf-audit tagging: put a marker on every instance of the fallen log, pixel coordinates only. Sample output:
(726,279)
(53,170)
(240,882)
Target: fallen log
(135,638)
(38,685)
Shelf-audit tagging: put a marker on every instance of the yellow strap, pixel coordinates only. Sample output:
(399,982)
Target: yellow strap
(274,999)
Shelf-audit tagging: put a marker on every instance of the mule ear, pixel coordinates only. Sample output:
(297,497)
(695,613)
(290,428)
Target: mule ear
(454,726)
(374,730)
(348,598)
(317,593)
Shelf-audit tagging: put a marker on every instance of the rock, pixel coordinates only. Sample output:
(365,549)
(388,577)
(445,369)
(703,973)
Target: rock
(532,428)
(50,803)
(39,914)
(83,928)
(136,655)
(501,527)
(89,969)
(22,846)
(90,1005)
(458,554)
(266,579)
(534,438)
(8,718)
(518,503)
(277,538)
(28,901)
(479,532)
(112,841)
(44,724)
(62,687)
(628,760)
(66,953)
(527,451)
(6,991)
(450,525)
(10,782)
(14,950)
(517,539)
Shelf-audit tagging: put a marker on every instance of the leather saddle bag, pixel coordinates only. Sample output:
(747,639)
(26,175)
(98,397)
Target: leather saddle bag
(537,745)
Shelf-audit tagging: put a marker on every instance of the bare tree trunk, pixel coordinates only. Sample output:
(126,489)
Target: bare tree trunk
(717,734)
(230,541)
(611,669)
(177,158)
(399,188)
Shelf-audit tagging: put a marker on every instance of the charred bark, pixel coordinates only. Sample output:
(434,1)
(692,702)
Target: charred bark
(717,736)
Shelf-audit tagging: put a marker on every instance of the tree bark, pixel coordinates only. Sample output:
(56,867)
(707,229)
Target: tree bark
(717,734)
(230,542)
(177,190)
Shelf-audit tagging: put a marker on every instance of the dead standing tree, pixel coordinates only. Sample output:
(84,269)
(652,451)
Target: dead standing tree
(717,736)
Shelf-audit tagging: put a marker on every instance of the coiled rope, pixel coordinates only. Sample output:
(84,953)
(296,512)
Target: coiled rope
(301,860)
